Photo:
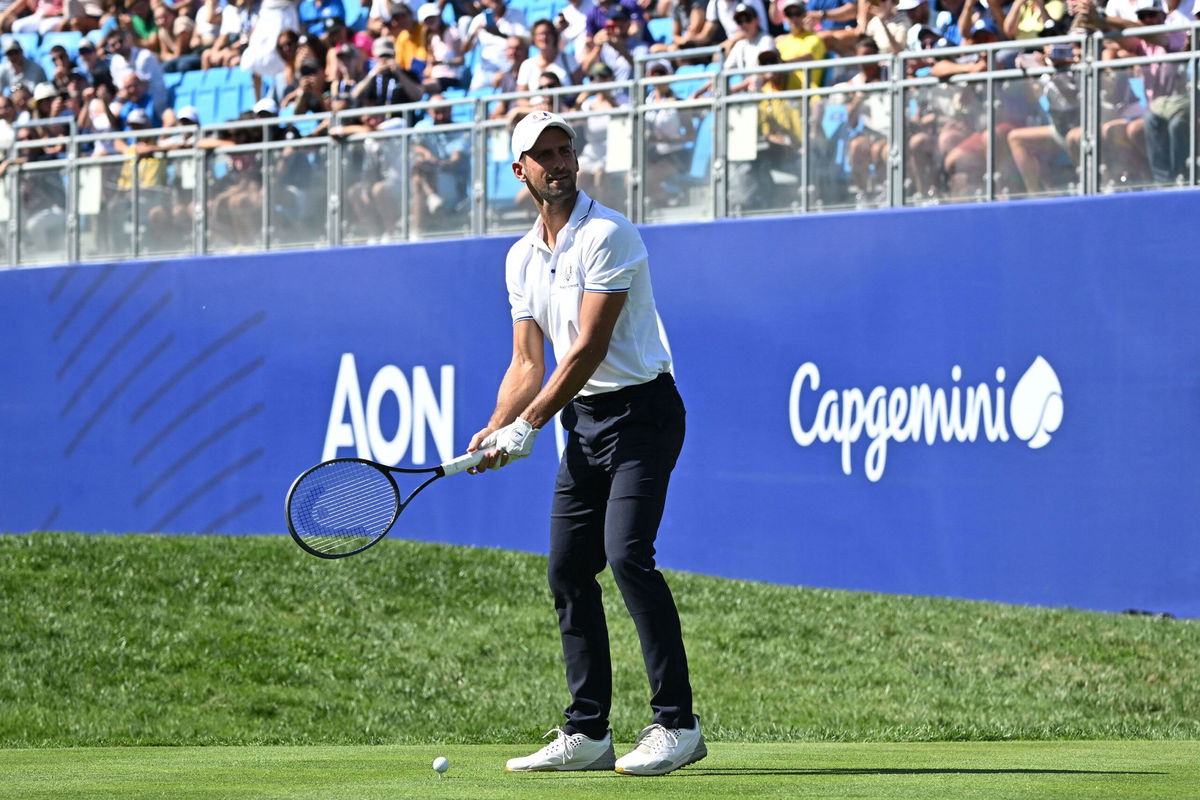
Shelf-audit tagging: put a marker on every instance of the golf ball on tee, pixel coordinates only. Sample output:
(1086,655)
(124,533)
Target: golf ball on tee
(440,764)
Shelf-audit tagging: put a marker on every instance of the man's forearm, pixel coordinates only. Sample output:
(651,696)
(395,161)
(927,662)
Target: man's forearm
(577,366)
(517,390)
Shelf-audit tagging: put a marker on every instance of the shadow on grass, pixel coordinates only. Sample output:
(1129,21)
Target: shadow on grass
(698,771)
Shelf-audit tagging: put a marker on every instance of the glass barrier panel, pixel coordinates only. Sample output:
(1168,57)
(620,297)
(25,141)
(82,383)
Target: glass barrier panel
(234,198)
(946,136)
(43,215)
(104,202)
(166,206)
(765,146)
(7,216)
(299,196)
(373,190)
(1144,135)
(509,208)
(849,136)
(676,160)
(440,186)
(1039,126)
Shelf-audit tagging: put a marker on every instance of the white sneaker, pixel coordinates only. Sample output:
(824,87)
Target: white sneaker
(661,750)
(433,202)
(567,752)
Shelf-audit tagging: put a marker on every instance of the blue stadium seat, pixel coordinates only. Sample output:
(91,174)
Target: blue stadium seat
(702,152)
(192,80)
(685,88)
(68,39)
(356,15)
(28,42)
(229,102)
(205,101)
(172,79)
(661,29)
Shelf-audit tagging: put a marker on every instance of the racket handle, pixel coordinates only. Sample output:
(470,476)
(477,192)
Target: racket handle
(462,463)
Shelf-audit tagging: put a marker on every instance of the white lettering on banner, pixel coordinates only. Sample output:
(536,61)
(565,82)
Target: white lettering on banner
(421,412)
(909,414)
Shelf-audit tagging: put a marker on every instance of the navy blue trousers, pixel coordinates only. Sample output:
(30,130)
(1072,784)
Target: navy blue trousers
(608,502)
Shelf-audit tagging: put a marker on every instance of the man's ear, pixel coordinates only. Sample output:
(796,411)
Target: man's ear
(518,169)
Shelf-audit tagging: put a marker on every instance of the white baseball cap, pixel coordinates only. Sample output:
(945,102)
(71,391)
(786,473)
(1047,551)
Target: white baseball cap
(189,113)
(526,134)
(1147,5)
(428,11)
(267,105)
(907,5)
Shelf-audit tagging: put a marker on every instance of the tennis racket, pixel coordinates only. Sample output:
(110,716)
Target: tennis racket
(342,507)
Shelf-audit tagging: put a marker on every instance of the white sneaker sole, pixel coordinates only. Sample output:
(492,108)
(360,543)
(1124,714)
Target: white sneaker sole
(700,752)
(600,765)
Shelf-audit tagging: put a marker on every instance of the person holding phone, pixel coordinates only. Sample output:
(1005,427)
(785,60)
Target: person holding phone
(490,31)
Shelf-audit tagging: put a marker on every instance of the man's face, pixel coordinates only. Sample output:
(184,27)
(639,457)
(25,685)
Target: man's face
(7,112)
(617,28)
(513,50)
(62,61)
(16,57)
(131,87)
(550,167)
(115,43)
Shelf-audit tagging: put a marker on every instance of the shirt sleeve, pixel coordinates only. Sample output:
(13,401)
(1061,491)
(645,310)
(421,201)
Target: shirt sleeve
(615,260)
(710,13)
(513,274)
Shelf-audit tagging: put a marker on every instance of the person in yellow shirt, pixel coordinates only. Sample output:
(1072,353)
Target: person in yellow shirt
(409,36)
(799,44)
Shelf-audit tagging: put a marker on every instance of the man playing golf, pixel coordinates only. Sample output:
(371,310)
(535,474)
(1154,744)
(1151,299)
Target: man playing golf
(581,277)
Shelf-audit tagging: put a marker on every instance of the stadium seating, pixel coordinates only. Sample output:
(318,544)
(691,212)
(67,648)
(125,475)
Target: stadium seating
(68,39)
(660,28)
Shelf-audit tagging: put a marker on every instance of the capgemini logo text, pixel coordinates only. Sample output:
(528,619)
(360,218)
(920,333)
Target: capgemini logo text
(969,413)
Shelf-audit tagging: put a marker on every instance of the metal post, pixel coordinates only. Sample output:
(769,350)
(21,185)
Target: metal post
(806,147)
(334,185)
(134,200)
(265,177)
(73,201)
(989,174)
(897,147)
(718,190)
(479,165)
(200,202)
(634,188)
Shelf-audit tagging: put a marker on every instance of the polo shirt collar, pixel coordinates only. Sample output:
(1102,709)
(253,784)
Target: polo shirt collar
(579,214)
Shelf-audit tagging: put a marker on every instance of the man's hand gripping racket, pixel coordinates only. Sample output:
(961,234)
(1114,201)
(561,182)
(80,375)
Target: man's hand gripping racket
(342,507)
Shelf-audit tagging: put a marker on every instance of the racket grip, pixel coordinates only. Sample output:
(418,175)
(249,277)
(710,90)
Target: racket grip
(462,463)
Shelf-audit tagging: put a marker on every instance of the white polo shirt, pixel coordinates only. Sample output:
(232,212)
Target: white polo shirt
(598,250)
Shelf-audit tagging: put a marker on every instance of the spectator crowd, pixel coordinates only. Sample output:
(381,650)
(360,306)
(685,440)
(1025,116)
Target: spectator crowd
(101,66)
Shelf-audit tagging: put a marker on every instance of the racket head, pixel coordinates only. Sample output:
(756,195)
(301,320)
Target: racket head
(342,507)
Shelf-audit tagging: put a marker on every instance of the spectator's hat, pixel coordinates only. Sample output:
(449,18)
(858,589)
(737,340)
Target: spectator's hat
(383,46)
(86,45)
(428,11)
(1147,5)
(188,114)
(44,91)
(908,5)
(601,71)
(742,8)
(659,66)
(137,117)
(331,19)
(11,45)
(399,8)
(918,34)
(347,50)
(789,3)
(527,131)
(266,106)
(984,31)
(617,13)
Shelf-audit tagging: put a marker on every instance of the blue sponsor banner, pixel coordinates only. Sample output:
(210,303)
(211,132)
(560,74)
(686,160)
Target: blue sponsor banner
(994,402)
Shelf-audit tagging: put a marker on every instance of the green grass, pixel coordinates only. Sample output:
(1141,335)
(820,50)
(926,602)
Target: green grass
(141,640)
(992,770)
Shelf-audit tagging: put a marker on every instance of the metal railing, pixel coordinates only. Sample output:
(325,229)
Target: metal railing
(896,137)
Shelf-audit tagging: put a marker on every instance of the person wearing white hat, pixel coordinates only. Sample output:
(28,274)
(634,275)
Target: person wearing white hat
(581,278)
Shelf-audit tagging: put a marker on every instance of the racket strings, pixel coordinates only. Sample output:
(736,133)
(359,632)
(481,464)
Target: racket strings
(343,506)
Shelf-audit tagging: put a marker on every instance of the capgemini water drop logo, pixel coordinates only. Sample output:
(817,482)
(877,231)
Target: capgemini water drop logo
(1036,408)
